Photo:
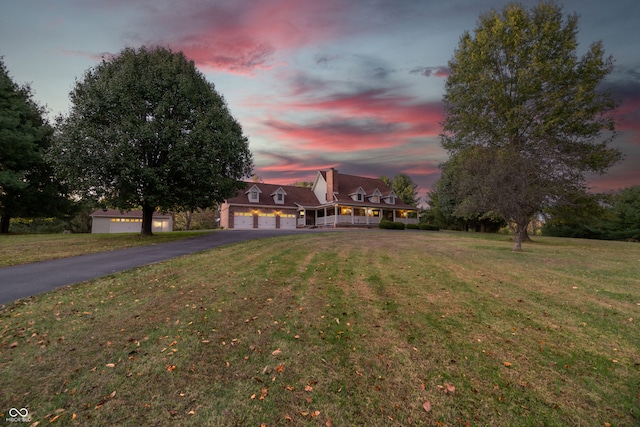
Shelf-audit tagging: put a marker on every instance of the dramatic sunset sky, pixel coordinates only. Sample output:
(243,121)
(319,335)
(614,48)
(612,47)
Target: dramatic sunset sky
(351,84)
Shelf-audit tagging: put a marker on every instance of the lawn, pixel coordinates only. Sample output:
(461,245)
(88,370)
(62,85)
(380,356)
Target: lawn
(25,248)
(369,328)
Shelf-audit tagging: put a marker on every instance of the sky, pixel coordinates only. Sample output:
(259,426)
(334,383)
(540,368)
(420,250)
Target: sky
(356,85)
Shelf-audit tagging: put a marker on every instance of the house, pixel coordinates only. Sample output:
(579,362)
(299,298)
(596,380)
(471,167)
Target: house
(115,221)
(334,200)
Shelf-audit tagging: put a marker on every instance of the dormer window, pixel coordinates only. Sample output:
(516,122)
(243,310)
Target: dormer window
(254,194)
(359,195)
(391,198)
(278,196)
(375,196)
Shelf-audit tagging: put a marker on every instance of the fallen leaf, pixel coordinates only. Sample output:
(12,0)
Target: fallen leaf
(110,365)
(450,387)
(507,364)
(276,352)
(253,396)
(263,393)
(427,406)
(13,344)
(280,368)
(171,368)
(329,423)
(308,388)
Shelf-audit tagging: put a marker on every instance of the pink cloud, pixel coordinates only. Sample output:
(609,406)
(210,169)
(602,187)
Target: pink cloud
(628,114)
(369,120)
(285,164)
(243,36)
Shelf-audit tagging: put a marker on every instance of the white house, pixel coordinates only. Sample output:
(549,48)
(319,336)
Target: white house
(334,200)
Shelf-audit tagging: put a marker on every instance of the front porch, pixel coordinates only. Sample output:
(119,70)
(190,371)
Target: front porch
(349,216)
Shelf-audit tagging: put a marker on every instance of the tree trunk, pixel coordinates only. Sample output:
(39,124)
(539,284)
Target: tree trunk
(147,220)
(4,223)
(520,235)
(188,216)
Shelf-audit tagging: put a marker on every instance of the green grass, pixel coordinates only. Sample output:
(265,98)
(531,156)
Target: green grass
(357,328)
(25,248)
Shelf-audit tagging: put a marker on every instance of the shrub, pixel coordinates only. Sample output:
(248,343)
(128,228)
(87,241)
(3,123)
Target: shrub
(391,225)
(413,227)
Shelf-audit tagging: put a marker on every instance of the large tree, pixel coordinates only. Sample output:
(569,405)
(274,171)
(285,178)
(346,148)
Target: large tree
(27,185)
(525,113)
(146,129)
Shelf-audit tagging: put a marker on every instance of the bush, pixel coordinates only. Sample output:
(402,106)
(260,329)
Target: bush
(429,227)
(391,225)
(413,227)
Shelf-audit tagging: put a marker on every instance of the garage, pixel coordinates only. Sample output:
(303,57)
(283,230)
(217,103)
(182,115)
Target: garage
(243,220)
(288,221)
(116,221)
(266,220)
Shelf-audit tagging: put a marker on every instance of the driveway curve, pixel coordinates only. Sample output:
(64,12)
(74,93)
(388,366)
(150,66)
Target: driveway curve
(21,281)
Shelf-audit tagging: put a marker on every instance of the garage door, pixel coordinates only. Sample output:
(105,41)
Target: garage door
(288,221)
(267,220)
(125,225)
(243,220)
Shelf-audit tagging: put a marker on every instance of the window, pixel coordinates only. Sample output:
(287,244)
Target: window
(253,196)
(359,197)
(278,196)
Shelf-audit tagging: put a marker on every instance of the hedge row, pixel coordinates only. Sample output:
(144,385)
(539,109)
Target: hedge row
(395,225)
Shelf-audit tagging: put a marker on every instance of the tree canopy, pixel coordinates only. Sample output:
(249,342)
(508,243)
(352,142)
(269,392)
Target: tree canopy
(404,187)
(146,129)
(27,185)
(612,216)
(524,113)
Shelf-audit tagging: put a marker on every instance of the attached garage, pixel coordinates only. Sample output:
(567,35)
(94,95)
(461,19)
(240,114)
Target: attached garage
(266,207)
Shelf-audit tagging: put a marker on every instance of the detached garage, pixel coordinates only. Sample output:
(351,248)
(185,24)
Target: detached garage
(114,221)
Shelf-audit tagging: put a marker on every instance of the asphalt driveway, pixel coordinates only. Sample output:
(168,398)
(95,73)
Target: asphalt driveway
(22,281)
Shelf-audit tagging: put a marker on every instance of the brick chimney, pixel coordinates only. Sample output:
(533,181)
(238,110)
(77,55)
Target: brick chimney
(332,184)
